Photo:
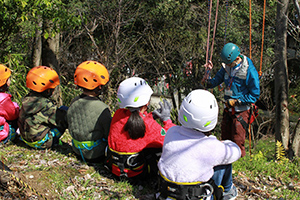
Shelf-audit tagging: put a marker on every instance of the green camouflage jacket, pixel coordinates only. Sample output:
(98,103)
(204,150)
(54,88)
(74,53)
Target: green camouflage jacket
(38,115)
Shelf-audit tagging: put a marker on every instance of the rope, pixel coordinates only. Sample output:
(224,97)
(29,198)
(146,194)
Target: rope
(250,24)
(207,72)
(214,33)
(220,88)
(20,182)
(226,18)
(208,30)
(262,40)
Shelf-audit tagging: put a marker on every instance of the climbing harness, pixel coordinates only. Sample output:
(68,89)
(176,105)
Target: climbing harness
(188,191)
(253,113)
(11,134)
(124,164)
(37,144)
(88,145)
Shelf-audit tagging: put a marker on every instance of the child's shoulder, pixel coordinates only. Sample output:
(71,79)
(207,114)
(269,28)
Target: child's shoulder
(4,95)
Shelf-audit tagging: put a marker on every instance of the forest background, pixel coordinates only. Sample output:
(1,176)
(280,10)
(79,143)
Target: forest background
(164,42)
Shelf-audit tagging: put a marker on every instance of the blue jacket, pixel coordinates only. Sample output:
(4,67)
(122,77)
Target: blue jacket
(245,81)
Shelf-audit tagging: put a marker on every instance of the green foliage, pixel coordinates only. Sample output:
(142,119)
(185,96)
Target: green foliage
(263,165)
(18,87)
(280,152)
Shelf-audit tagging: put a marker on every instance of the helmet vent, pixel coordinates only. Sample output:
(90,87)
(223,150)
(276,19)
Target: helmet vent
(229,56)
(103,77)
(5,69)
(210,106)
(141,82)
(95,80)
(85,80)
(43,84)
(190,100)
(51,81)
(135,84)
(34,82)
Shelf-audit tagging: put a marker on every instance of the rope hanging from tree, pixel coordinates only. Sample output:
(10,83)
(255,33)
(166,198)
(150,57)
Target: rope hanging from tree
(262,40)
(261,54)
(250,25)
(209,57)
(226,19)
(263,33)
(220,87)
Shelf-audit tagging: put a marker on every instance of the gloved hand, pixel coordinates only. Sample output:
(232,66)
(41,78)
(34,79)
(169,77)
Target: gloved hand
(164,111)
(232,102)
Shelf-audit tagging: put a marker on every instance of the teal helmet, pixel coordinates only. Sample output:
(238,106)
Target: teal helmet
(229,53)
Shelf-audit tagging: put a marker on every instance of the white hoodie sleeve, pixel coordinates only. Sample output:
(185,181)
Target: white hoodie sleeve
(232,152)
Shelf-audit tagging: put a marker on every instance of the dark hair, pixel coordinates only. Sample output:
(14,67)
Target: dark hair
(135,125)
(96,90)
(47,93)
(4,88)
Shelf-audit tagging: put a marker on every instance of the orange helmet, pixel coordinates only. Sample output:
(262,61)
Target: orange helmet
(4,74)
(41,78)
(90,74)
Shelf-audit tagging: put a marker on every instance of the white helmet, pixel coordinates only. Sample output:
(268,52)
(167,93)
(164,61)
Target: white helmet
(199,110)
(134,92)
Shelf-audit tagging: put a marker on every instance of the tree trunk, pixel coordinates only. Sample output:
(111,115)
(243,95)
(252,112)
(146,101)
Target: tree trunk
(50,57)
(281,75)
(295,138)
(37,46)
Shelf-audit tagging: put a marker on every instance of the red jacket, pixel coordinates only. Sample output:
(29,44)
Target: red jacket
(119,140)
(9,111)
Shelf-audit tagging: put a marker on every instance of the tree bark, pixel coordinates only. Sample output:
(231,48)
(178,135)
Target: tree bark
(37,45)
(297,9)
(295,138)
(50,57)
(281,75)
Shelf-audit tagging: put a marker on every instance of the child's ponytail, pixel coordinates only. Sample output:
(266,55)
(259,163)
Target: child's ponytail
(135,125)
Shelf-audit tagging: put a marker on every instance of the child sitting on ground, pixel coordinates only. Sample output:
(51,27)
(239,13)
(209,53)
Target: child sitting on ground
(41,122)
(135,137)
(190,153)
(88,116)
(9,110)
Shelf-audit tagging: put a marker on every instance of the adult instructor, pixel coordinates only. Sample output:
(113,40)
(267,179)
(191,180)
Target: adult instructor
(242,89)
